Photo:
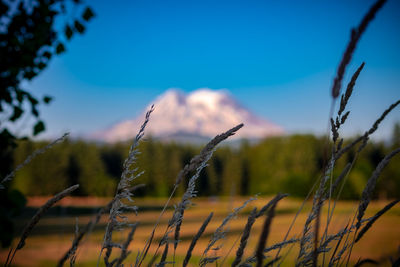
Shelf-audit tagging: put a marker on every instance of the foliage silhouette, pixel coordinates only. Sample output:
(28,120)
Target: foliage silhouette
(29,38)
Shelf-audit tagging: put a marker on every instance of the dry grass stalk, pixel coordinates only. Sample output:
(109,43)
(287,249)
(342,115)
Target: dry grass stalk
(79,237)
(185,202)
(208,260)
(248,262)
(395,262)
(220,233)
(320,197)
(295,217)
(366,195)
(323,246)
(367,192)
(116,220)
(354,38)
(36,218)
(163,256)
(272,262)
(72,260)
(264,235)
(336,260)
(272,202)
(246,231)
(204,156)
(332,260)
(327,194)
(340,120)
(318,201)
(73,252)
(376,124)
(194,163)
(281,244)
(340,152)
(349,90)
(361,262)
(177,217)
(196,238)
(382,117)
(234,243)
(245,236)
(324,196)
(340,178)
(124,250)
(366,135)
(348,244)
(30,158)
(152,260)
(374,218)
(332,189)
(316,236)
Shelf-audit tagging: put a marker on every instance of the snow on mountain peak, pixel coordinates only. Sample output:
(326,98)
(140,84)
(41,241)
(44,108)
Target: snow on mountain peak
(203,112)
(209,98)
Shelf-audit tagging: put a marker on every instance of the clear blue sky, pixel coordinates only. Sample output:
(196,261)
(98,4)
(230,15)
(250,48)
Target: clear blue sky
(278,58)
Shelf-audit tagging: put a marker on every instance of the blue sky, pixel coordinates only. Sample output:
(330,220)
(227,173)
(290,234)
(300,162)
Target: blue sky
(278,58)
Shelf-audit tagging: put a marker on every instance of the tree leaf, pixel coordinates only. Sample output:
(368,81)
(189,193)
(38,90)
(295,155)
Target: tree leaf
(20,95)
(38,128)
(87,14)
(47,99)
(32,100)
(17,113)
(29,75)
(63,8)
(5,95)
(35,112)
(47,54)
(68,32)
(3,8)
(60,48)
(79,26)
(41,65)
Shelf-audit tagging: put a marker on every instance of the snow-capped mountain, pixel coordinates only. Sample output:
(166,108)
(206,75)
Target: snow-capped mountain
(202,113)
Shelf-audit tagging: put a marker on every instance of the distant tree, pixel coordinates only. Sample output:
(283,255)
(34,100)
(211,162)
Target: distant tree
(396,135)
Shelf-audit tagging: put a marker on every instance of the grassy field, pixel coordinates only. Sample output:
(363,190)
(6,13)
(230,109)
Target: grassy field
(53,235)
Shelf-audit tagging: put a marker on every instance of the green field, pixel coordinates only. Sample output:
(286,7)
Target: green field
(53,235)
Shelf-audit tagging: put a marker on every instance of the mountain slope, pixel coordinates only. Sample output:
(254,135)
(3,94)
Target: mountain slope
(203,112)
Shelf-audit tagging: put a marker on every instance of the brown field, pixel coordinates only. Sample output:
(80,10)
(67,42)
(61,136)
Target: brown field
(53,235)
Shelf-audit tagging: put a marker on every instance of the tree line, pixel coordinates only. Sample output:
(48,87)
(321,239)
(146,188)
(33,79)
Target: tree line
(289,164)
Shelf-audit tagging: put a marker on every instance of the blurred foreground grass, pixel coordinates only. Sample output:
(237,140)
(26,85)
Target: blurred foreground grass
(53,235)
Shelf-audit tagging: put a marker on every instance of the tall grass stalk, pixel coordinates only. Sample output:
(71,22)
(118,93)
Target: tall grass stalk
(194,164)
(196,238)
(355,36)
(36,153)
(85,231)
(264,235)
(116,218)
(220,233)
(36,218)
(245,236)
